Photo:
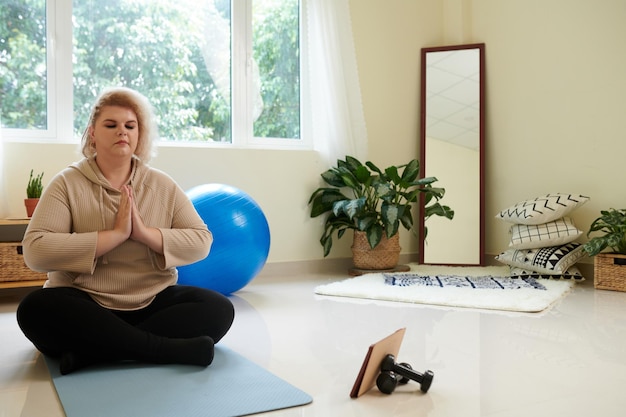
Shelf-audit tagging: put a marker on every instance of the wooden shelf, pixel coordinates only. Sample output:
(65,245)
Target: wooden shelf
(22,284)
(9,222)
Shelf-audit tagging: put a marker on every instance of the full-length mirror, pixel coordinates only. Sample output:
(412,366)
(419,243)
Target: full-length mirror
(452,146)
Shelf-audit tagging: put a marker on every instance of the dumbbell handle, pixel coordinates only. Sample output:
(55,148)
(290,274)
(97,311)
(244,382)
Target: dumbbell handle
(389,365)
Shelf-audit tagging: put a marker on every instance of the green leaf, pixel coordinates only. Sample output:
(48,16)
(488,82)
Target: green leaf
(362,175)
(373,167)
(612,223)
(595,246)
(352,163)
(437,192)
(323,200)
(391,214)
(437,209)
(349,180)
(384,191)
(327,244)
(425,181)
(353,207)
(412,196)
(411,171)
(374,235)
(365,222)
(35,186)
(331,177)
(392,174)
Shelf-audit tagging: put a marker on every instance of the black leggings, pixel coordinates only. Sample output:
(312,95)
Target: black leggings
(170,330)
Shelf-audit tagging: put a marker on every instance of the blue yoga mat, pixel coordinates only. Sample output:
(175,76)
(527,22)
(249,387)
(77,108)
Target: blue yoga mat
(231,386)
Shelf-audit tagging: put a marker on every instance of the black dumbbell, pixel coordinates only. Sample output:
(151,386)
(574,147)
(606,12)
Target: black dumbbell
(392,374)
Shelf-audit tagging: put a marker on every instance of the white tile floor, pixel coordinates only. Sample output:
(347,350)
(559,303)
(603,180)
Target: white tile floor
(568,361)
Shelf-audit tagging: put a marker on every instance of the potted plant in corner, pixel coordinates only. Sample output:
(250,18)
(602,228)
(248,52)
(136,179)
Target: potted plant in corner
(33,193)
(610,266)
(378,203)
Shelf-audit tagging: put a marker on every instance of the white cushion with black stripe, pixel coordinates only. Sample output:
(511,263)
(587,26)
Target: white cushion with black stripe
(542,209)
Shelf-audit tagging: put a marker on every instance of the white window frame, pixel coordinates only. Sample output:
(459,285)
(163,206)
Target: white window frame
(60,103)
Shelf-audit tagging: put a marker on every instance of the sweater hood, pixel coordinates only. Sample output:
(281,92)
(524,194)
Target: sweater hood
(90,170)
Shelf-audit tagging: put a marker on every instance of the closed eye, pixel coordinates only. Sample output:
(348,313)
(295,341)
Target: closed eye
(112,124)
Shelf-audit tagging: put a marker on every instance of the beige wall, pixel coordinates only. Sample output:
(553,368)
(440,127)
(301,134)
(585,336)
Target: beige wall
(556,92)
(280,181)
(556,96)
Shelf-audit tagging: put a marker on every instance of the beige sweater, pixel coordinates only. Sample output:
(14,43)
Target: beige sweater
(78,202)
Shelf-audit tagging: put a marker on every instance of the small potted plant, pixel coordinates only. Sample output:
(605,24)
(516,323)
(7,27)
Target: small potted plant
(33,192)
(609,266)
(377,203)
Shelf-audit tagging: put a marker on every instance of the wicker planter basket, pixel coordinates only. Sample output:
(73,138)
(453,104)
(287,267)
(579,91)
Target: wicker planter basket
(384,256)
(610,271)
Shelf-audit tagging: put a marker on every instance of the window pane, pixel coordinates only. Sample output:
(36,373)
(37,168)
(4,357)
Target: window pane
(276,51)
(23,71)
(176,52)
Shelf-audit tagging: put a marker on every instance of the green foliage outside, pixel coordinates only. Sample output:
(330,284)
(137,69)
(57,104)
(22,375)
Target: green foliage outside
(22,64)
(156,48)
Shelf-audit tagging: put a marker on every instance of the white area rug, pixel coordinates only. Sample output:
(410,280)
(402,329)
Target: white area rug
(412,287)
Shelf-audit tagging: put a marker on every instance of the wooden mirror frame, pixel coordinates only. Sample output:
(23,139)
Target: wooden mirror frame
(423,162)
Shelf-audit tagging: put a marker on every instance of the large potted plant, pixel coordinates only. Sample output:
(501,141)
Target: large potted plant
(33,193)
(373,203)
(609,266)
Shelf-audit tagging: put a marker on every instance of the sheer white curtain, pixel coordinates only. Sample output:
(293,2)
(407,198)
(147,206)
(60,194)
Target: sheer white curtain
(337,120)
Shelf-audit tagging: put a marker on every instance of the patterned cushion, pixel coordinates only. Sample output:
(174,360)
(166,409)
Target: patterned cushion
(555,233)
(542,209)
(572,273)
(550,260)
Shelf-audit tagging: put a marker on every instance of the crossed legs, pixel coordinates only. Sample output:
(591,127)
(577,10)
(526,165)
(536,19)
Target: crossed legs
(180,326)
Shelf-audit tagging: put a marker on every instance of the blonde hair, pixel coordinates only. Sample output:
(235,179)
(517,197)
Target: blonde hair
(140,105)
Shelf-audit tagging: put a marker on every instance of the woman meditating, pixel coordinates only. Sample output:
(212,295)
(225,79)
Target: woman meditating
(110,232)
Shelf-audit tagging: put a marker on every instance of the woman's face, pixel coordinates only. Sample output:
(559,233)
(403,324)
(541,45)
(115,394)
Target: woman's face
(115,132)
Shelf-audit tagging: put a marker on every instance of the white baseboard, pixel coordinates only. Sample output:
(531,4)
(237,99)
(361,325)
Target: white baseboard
(318,266)
(342,265)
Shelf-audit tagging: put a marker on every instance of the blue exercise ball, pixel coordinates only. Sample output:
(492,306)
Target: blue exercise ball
(241,239)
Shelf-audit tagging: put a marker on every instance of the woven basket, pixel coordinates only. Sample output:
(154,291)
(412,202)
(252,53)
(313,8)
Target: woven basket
(12,266)
(384,256)
(610,271)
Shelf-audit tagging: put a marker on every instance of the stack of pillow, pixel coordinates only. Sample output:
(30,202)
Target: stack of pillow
(542,237)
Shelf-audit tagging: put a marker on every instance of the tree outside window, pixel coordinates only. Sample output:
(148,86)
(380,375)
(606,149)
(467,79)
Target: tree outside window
(176,52)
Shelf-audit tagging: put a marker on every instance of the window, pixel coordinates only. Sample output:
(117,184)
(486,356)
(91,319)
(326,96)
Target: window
(216,71)
(23,66)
